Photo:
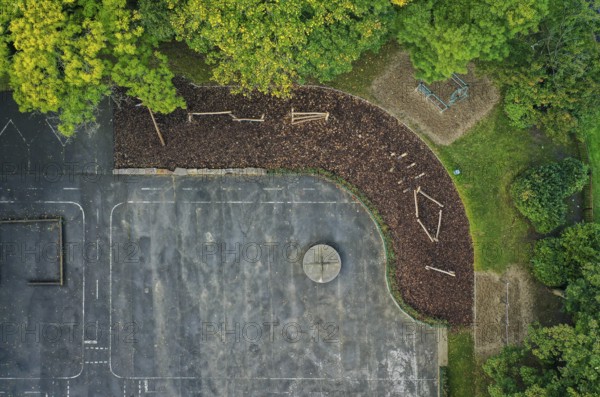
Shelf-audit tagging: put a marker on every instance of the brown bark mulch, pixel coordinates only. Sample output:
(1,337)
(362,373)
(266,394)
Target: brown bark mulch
(359,143)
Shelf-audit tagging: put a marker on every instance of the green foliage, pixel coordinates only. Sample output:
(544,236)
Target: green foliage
(552,77)
(268,46)
(562,360)
(155,19)
(549,265)
(583,294)
(560,261)
(539,193)
(557,361)
(68,54)
(590,130)
(443,37)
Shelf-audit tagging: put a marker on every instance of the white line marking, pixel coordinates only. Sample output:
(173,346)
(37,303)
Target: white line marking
(68,388)
(70,188)
(58,136)
(151,188)
(91,342)
(16,128)
(272,188)
(96,289)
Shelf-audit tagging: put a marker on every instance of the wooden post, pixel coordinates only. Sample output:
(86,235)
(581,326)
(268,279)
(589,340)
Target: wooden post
(425,229)
(416,204)
(262,118)
(439,225)
(162,141)
(450,273)
(431,198)
(303,117)
(190,114)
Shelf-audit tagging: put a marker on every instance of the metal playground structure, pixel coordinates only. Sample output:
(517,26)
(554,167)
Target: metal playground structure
(461,92)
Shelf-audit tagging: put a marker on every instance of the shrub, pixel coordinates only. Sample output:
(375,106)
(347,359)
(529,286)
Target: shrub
(560,261)
(539,193)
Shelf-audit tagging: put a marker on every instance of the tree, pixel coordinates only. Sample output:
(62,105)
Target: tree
(552,77)
(539,193)
(561,360)
(583,294)
(563,260)
(268,46)
(68,54)
(442,37)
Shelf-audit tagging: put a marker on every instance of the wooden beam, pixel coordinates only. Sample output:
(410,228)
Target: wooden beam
(162,141)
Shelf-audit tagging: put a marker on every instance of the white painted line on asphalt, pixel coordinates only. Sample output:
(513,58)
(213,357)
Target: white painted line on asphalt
(272,188)
(90,342)
(70,188)
(151,188)
(96,289)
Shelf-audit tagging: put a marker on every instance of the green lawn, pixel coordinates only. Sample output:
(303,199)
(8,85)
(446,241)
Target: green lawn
(489,157)
(364,71)
(461,364)
(592,133)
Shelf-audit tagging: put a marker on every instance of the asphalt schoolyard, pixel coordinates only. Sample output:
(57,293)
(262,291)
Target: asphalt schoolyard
(188,285)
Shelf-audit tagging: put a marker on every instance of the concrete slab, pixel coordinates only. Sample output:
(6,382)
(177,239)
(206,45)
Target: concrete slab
(193,285)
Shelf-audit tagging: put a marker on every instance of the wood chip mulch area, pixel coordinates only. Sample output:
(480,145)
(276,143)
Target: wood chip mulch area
(360,143)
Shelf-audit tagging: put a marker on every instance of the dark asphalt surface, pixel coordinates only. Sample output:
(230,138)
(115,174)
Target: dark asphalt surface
(189,285)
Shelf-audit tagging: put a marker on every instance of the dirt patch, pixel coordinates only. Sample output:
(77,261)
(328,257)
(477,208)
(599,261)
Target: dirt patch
(506,304)
(394,89)
(360,143)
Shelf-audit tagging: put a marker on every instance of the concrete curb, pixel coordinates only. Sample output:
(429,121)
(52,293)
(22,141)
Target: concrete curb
(192,171)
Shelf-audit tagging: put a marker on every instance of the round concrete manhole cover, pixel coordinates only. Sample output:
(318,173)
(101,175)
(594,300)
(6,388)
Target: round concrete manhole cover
(321,263)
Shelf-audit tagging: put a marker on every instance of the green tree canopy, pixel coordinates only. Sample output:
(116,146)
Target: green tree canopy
(561,360)
(558,261)
(442,37)
(66,55)
(552,77)
(268,46)
(539,193)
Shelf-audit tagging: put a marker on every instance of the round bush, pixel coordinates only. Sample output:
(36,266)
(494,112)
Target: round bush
(539,193)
